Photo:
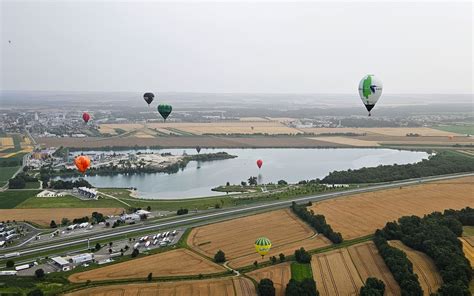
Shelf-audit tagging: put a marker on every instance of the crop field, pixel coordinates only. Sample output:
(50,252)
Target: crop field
(468,250)
(12,198)
(66,202)
(423,266)
(6,173)
(224,287)
(173,263)
(386,131)
(348,141)
(335,274)
(236,237)
(467,129)
(368,263)
(280,275)
(361,214)
(300,271)
(226,128)
(44,216)
(111,128)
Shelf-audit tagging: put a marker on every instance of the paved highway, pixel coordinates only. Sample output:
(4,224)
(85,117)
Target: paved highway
(223,214)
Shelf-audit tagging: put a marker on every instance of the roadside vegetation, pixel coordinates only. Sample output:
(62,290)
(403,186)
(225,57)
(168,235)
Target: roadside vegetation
(445,162)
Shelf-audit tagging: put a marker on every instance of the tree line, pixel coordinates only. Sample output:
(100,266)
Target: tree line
(20,180)
(318,222)
(445,162)
(437,235)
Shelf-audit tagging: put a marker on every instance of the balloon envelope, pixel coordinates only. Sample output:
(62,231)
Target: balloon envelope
(86,117)
(263,245)
(165,110)
(370,90)
(148,97)
(259,163)
(82,163)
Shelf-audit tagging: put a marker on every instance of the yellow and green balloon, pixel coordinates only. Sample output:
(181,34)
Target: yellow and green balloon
(263,245)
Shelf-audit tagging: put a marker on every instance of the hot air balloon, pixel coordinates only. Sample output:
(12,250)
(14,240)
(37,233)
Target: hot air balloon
(370,90)
(198,149)
(86,117)
(82,163)
(263,245)
(165,110)
(148,97)
(259,163)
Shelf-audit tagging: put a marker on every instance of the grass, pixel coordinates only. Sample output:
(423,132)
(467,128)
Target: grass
(300,271)
(32,185)
(6,173)
(67,202)
(10,199)
(468,230)
(458,129)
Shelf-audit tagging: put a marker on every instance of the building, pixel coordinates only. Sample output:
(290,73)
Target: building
(87,192)
(61,263)
(82,258)
(130,217)
(47,193)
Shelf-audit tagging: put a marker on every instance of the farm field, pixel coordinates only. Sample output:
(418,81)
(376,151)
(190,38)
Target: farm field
(369,263)
(6,173)
(335,274)
(44,216)
(387,131)
(350,141)
(300,271)
(66,202)
(236,237)
(280,274)
(9,199)
(423,266)
(467,129)
(225,287)
(171,263)
(361,214)
(468,250)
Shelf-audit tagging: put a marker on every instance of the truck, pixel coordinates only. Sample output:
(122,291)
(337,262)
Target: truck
(23,266)
(10,255)
(84,225)
(135,246)
(155,242)
(147,244)
(174,233)
(72,227)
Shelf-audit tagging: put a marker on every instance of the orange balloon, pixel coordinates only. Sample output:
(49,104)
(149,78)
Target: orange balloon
(82,163)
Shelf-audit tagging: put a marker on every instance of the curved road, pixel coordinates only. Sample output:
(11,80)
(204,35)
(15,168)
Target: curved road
(225,214)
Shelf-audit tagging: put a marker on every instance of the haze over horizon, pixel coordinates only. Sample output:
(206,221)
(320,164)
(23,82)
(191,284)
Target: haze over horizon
(266,48)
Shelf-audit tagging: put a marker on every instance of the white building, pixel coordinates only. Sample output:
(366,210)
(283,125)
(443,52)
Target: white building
(47,193)
(87,192)
(82,258)
(62,263)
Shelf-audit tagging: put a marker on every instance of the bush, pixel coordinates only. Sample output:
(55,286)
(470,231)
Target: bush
(39,273)
(282,257)
(302,256)
(10,263)
(135,253)
(372,287)
(53,224)
(182,211)
(306,287)
(265,287)
(150,277)
(219,257)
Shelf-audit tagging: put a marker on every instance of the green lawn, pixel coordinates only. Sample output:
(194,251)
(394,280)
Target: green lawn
(468,230)
(6,173)
(300,271)
(10,199)
(459,129)
(68,202)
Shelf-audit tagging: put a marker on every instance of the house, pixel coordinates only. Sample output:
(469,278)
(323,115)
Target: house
(47,193)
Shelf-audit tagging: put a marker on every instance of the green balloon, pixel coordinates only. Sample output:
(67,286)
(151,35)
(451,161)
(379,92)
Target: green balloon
(165,110)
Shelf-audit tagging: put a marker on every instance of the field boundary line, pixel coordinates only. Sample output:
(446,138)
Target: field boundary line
(116,198)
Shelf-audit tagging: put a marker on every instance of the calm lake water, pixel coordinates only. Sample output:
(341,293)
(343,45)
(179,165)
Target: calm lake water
(292,165)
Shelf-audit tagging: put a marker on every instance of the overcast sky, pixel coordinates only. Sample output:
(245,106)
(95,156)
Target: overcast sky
(322,47)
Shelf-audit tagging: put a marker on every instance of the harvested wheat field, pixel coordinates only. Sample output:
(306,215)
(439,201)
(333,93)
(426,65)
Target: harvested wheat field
(348,141)
(236,127)
(236,237)
(172,263)
(361,214)
(368,263)
(110,128)
(468,250)
(215,287)
(403,131)
(335,274)
(423,266)
(44,216)
(279,274)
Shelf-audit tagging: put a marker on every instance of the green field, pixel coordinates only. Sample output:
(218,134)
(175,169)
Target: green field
(11,198)
(67,202)
(6,173)
(458,129)
(468,230)
(32,185)
(301,271)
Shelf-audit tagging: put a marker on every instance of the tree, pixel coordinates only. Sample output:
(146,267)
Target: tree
(97,246)
(227,184)
(265,287)
(148,208)
(10,263)
(53,224)
(252,181)
(219,257)
(282,257)
(135,253)
(306,287)
(35,292)
(243,183)
(372,287)
(39,273)
(255,263)
(150,277)
(282,182)
(64,221)
(302,256)
(110,244)
(182,211)
(273,259)
(110,251)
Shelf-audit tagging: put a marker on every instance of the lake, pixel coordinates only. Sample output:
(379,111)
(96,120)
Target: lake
(291,165)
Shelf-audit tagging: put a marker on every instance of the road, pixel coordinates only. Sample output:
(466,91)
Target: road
(223,214)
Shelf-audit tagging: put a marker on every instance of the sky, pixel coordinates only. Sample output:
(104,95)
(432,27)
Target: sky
(241,47)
